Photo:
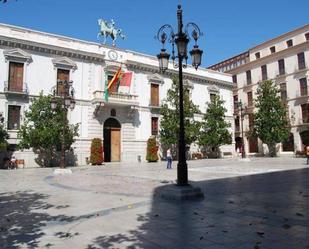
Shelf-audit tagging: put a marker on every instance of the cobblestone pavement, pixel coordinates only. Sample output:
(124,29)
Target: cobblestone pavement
(263,203)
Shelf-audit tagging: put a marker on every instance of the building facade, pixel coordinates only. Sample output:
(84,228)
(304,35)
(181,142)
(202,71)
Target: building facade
(32,62)
(284,60)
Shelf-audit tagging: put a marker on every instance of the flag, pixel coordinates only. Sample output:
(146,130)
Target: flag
(114,80)
(125,82)
(116,77)
(106,91)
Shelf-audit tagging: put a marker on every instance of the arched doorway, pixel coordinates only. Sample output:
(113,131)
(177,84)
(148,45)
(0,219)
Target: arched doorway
(112,138)
(288,145)
(238,144)
(304,137)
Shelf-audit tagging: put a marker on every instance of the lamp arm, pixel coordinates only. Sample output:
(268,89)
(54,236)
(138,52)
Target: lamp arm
(162,36)
(196,32)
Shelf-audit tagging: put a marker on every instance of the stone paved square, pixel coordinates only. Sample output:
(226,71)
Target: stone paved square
(258,204)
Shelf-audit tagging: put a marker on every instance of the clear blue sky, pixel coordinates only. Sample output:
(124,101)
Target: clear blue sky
(230,27)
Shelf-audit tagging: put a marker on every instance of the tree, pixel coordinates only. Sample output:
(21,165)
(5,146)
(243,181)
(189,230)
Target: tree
(214,132)
(169,124)
(96,156)
(42,130)
(152,150)
(3,136)
(271,122)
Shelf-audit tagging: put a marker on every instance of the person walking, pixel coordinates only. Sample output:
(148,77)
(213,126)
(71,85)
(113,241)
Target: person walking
(307,154)
(169,158)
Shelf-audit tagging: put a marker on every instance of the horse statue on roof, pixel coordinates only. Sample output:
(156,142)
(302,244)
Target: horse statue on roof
(108,29)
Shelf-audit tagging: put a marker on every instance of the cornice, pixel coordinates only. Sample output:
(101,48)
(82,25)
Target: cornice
(50,49)
(270,58)
(172,73)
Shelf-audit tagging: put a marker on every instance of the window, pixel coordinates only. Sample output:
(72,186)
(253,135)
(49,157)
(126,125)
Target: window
(154,101)
(281,67)
(13,117)
(248,74)
(289,43)
(234,78)
(235,99)
(264,72)
(250,99)
(16,77)
(237,124)
(283,92)
(272,49)
(154,126)
(305,112)
(303,87)
(251,121)
(307,36)
(301,61)
(213,97)
(257,55)
(62,75)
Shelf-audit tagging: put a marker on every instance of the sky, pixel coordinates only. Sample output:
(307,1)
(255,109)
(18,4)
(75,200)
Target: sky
(229,27)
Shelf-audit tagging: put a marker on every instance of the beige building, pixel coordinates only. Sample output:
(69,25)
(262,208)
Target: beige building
(284,60)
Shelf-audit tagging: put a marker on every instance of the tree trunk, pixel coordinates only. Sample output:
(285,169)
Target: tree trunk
(272,150)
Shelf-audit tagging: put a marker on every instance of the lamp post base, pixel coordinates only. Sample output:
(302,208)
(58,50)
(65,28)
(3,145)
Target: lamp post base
(179,193)
(62,171)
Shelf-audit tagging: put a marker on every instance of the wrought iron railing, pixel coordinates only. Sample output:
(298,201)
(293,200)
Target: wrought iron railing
(9,88)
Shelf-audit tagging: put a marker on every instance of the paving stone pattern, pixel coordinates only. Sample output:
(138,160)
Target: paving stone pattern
(259,204)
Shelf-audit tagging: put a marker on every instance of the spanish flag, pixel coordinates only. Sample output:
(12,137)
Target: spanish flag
(114,80)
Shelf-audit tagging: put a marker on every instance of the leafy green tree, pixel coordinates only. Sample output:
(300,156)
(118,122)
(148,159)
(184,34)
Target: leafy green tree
(271,122)
(42,130)
(169,124)
(214,131)
(3,136)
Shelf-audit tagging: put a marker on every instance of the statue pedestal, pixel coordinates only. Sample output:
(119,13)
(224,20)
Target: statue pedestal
(62,172)
(180,193)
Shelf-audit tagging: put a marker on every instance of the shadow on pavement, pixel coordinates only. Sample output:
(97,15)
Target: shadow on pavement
(22,219)
(257,211)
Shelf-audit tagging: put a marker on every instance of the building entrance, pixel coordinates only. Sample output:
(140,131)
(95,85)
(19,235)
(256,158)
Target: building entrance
(112,138)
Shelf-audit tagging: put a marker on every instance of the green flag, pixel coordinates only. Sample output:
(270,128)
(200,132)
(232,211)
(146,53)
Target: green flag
(105,89)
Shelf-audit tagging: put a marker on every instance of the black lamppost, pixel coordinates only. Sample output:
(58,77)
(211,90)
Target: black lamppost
(241,110)
(181,39)
(65,97)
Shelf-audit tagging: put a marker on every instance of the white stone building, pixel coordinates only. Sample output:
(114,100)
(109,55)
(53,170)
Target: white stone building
(32,61)
(285,61)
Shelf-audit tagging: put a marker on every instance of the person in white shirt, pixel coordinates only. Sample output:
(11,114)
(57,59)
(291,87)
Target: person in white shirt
(169,158)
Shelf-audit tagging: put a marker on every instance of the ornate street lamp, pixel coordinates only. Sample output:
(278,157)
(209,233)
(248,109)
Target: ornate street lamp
(181,39)
(242,112)
(66,100)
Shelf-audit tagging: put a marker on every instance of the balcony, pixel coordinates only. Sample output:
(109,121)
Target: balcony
(114,98)
(16,90)
(301,94)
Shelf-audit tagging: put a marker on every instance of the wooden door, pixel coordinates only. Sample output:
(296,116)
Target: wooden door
(115,145)
(16,76)
(154,95)
(253,145)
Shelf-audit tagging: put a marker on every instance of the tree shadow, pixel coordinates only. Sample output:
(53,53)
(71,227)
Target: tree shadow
(257,211)
(22,220)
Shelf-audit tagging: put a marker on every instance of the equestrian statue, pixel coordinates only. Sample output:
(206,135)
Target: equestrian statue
(108,29)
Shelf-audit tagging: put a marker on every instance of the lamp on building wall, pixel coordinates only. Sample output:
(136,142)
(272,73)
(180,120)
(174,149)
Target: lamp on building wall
(181,39)
(66,100)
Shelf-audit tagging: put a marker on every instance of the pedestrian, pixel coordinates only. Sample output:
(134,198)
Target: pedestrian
(307,154)
(169,158)
(13,163)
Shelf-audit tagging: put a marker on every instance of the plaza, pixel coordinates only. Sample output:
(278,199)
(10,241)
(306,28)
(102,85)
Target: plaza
(261,203)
